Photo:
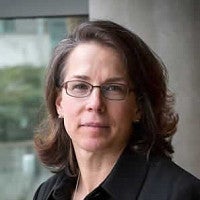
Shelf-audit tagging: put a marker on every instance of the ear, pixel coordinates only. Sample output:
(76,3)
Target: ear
(58,104)
(137,115)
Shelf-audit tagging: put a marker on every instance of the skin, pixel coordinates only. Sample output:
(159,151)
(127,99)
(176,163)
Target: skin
(99,128)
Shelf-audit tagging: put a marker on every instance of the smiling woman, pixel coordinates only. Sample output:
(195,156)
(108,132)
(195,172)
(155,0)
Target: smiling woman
(111,120)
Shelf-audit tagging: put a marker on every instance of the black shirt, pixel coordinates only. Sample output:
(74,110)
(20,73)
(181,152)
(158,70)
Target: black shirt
(132,178)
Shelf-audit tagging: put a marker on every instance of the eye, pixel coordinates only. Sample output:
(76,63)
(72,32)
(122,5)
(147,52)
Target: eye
(114,87)
(79,86)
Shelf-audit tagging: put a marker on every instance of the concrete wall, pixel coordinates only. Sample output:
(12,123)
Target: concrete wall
(171,28)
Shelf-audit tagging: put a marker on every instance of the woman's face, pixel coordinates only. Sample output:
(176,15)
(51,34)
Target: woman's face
(95,123)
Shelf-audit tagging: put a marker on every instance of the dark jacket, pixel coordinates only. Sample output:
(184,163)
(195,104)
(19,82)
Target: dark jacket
(132,178)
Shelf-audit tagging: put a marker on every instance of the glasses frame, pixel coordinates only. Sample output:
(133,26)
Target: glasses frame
(127,91)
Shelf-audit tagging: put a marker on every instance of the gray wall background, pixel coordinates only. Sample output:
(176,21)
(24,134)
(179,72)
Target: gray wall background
(172,30)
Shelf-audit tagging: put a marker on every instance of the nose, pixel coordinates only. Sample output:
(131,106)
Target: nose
(95,101)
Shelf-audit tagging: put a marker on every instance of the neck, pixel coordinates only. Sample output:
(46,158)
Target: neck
(94,168)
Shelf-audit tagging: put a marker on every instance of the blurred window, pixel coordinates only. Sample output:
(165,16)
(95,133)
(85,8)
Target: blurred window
(25,49)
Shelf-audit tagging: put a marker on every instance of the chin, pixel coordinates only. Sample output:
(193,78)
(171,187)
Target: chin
(94,146)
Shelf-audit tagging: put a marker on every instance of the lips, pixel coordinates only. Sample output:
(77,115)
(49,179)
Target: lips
(95,125)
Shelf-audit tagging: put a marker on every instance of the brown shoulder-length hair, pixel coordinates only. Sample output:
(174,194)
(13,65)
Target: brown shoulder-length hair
(146,71)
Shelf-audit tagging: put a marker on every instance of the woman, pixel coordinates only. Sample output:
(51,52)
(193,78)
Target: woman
(110,121)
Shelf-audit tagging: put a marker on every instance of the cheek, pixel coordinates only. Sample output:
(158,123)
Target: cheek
(123,116)
(127,111)
(69,107)
(70,114)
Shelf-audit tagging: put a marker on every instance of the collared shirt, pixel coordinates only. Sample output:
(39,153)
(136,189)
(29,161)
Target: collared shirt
(117,185)
(132,178)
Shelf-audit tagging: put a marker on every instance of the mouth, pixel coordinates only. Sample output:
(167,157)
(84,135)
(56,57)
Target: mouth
(95,125)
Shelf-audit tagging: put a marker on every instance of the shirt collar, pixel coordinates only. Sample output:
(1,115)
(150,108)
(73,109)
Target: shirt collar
(124,182)
(127,177)
(64,186)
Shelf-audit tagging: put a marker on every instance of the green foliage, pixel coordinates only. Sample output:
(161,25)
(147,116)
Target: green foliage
(20,101)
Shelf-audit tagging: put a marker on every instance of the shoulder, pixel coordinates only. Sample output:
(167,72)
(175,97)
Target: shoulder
(45,189)
(167,168)
(173,180)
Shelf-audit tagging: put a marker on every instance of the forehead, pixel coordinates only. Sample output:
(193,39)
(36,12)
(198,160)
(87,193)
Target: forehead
(93,58)
(93,48)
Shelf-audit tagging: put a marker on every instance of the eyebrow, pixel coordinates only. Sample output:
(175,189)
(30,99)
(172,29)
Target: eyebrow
(83,77)
(112,79)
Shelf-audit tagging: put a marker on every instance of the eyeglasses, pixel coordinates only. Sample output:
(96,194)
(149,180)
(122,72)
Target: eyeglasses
(111,91)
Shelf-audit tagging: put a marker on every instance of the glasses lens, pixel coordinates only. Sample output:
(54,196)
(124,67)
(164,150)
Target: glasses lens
(78,88)
(114,91)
